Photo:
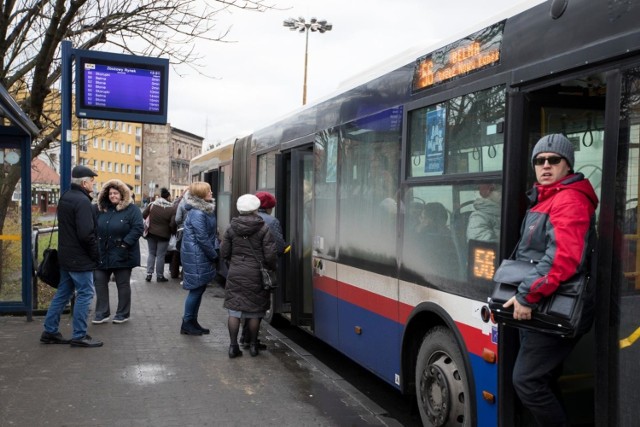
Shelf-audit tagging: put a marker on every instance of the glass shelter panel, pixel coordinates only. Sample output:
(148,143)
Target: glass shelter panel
(461,135)
(10,227)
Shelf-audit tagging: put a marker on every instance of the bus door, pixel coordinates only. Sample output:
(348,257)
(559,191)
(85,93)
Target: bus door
(299,235)
(574,107)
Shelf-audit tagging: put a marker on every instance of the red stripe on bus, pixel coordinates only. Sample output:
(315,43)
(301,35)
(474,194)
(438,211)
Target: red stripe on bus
(475,340)
(375,303)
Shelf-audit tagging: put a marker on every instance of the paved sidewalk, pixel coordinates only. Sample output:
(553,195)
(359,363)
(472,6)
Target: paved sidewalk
(147,374)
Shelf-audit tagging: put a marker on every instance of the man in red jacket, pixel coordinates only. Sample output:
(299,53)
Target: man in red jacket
(556,235)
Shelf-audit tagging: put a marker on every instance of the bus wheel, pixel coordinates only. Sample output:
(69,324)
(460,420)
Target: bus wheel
(442,388)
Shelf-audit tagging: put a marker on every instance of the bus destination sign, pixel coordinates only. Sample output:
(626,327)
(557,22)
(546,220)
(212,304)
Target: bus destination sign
(473,53)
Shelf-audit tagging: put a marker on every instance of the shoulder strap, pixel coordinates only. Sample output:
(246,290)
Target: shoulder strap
(251,246)
(52,228)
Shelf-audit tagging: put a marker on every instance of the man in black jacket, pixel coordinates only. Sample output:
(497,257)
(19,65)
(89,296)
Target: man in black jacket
(78,257)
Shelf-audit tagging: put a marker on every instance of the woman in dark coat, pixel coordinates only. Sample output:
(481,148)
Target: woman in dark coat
(119,229)
(246,238)
(198,252)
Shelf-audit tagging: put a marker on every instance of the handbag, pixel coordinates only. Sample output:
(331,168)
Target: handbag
(146,223)
(269,278)
(173,241)
(49,268)
(558,314)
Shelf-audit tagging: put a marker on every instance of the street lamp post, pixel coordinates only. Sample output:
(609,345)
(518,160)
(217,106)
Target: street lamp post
(302,26)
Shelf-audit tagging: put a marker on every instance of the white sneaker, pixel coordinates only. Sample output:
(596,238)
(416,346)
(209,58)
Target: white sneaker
(120,319)
(97,321)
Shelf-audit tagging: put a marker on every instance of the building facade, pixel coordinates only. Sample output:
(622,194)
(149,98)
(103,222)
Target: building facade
(113,149)
(167,152)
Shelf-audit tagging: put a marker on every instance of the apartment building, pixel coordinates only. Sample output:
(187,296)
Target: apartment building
(113,149)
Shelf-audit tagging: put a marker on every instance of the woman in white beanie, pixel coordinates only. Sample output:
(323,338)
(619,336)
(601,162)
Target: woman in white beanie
(246,244)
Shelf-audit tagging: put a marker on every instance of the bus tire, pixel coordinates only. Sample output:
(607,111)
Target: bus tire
(442,386)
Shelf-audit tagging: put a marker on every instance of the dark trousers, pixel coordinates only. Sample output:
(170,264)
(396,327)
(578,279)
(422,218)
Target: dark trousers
(535,375)
(123,279)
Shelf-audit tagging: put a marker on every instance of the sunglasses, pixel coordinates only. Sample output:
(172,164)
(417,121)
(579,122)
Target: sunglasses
(553,160)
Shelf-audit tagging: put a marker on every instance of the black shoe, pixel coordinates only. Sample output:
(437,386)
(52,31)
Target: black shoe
(162,279)
(148,278)
(188,328)
(49,338)
(234,351)
(261,346)
(253,349)
(205,331)
(85,341)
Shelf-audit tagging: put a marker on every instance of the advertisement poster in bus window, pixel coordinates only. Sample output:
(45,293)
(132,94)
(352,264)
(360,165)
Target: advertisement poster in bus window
(434,144)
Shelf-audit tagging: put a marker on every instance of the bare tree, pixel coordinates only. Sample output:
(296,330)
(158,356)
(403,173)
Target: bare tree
(31,32)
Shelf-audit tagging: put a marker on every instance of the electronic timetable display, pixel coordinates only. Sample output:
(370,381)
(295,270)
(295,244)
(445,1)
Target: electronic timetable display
(121,87)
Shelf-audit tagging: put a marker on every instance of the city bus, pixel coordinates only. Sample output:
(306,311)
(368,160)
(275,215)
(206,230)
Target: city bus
(358,174)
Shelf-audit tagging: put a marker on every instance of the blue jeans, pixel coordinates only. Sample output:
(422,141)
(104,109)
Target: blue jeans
(82,283)
(157,251)
(192,303)
(535,374)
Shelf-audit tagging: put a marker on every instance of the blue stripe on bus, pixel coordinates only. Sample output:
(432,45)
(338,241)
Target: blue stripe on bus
(335,322)
(376,348)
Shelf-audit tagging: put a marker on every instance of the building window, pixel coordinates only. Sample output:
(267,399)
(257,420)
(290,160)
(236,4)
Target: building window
(102,165)
(109,167)
(110,147)
(95,142)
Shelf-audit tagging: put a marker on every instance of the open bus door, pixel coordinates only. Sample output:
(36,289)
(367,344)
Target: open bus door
(298,234)
(567,107)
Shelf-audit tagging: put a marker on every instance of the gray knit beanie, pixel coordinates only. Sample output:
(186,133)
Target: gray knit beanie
(554,143)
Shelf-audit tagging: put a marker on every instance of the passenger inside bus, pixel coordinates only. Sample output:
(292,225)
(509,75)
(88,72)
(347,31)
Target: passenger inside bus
(435,239)
(484,221)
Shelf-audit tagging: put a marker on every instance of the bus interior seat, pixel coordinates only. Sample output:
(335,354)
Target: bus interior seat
(459,223)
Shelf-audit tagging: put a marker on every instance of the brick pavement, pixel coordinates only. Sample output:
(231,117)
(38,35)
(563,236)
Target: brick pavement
(147,374)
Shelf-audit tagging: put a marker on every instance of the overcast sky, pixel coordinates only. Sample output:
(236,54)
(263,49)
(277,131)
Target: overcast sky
(259,77)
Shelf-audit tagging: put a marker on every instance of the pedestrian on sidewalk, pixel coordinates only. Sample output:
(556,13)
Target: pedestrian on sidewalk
(119,229)
(246,244)
(267,203)
(78,257)
(198,252)
(161,214)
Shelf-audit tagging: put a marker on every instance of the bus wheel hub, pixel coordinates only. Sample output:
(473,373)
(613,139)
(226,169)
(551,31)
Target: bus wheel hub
(441,392)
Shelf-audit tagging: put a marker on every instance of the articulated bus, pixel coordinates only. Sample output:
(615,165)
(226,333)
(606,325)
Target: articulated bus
(356,174)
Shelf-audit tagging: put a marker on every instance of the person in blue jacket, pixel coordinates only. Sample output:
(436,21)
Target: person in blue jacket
(197,252)
(119,229)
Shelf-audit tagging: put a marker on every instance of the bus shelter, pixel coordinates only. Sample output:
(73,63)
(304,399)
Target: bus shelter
(16,263)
